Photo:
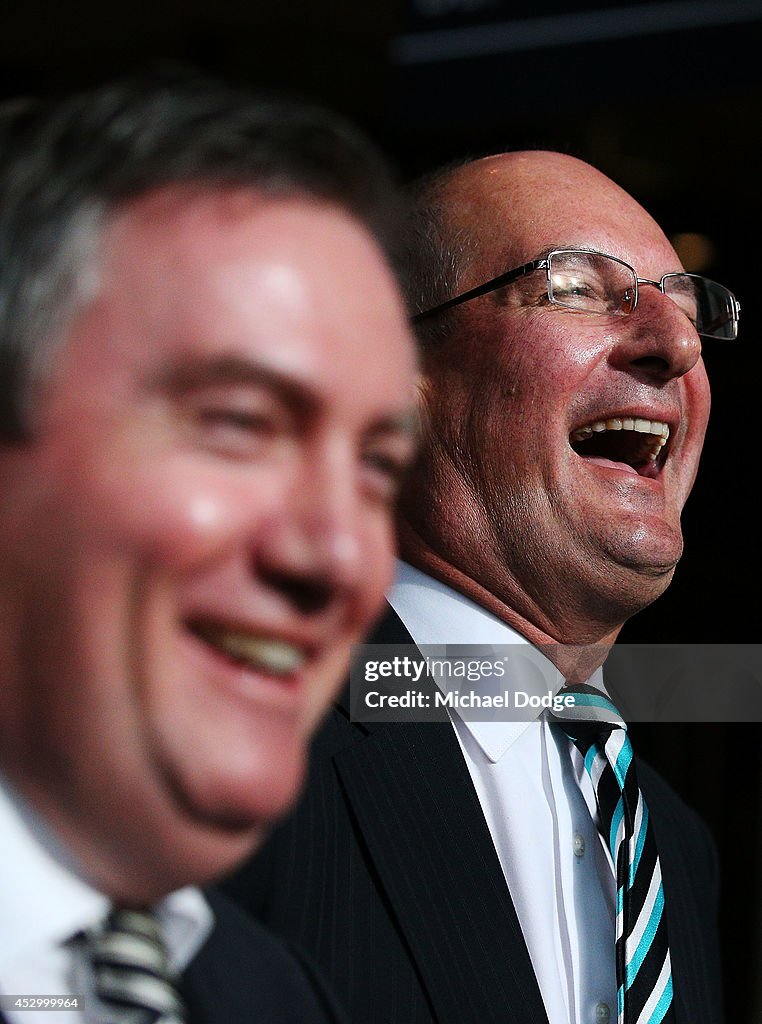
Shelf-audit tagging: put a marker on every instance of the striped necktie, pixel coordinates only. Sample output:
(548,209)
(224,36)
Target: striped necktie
(643,970)
(130,971)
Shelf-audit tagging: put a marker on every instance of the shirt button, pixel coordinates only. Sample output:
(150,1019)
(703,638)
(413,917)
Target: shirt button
(579,848)
(602,1013)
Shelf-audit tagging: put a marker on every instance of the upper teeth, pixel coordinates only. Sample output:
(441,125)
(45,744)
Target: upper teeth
(640,426)
(275,656)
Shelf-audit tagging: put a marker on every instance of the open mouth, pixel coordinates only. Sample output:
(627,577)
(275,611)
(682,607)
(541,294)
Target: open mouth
(625,443)
(261,654)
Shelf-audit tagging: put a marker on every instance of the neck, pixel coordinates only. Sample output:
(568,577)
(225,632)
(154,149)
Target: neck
(575,661)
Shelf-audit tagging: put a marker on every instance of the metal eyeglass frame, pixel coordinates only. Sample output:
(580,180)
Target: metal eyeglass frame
(544,264)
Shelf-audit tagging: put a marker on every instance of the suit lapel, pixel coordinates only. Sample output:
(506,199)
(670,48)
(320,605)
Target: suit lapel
(425,832)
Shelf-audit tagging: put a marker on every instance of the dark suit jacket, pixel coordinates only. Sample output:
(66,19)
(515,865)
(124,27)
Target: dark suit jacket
(387,874)
(244,975)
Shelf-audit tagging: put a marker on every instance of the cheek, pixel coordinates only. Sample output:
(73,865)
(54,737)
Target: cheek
(176,519)
(191,524)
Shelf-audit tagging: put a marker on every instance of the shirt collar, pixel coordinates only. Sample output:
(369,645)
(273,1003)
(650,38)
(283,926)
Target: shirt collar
(44,901)
(434,613)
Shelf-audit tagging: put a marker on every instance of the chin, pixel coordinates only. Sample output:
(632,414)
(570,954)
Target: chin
(649,548)
(243,795)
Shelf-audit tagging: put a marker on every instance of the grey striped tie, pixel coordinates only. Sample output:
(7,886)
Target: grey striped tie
(643,967)
(131,973)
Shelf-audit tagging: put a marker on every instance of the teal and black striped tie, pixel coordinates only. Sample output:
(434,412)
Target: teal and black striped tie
(643,969)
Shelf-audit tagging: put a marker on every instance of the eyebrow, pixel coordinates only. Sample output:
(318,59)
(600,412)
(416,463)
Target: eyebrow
(544,253)
(187,376)
(190,375)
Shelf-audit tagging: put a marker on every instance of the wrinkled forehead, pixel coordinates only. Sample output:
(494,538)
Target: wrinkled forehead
(517,205)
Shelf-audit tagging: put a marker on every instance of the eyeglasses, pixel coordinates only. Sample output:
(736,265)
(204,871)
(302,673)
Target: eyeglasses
(593,282)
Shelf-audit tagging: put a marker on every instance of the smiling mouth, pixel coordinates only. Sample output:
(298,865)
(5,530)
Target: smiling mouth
(625,443)
(258,653)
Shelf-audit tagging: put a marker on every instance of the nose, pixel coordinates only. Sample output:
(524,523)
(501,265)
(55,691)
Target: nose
(311,548)
(659,342)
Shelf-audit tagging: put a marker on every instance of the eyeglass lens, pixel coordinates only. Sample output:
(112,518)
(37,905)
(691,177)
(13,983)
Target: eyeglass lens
(591,282)
(707,304)
(595,283)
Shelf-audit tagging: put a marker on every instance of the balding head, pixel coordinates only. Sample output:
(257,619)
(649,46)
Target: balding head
(468,221)
(507,201)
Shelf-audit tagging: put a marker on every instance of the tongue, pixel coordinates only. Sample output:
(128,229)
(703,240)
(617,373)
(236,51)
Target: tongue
(623,467)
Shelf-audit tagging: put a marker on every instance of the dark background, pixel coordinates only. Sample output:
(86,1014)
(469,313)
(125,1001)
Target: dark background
(664,97)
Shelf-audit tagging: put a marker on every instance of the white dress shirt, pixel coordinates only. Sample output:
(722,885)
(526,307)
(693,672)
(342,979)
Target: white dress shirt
(539,810)
(44,902)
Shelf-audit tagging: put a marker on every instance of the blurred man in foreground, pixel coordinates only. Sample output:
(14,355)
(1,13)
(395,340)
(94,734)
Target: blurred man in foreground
(506,871)
(195,523)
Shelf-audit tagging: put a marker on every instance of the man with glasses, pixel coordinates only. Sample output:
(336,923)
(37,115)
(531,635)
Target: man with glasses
(594,282)
(454,872)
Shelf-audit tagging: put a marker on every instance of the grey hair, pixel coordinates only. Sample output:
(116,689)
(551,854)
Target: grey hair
(433,253)
(67,165)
